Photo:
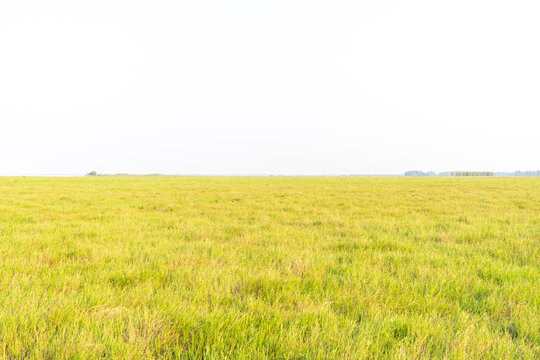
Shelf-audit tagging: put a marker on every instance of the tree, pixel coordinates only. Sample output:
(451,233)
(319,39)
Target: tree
(92,173)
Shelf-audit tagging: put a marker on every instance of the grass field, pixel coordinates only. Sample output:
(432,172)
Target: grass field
(269,268)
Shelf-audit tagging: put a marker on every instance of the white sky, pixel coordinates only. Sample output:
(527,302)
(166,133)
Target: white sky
(268,87)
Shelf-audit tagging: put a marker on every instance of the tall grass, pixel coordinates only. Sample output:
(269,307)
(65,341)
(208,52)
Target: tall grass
(269,268)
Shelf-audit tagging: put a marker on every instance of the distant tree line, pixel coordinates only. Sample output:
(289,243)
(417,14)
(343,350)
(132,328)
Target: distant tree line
(472,173)
(519,173)
(420,173)
(93,173)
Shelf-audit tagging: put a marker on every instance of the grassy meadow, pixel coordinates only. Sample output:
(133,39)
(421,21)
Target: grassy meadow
(269,268)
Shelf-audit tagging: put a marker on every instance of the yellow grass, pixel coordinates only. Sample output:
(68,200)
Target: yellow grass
(269,268)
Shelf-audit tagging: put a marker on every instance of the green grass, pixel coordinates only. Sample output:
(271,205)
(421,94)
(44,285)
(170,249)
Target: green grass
(269,268)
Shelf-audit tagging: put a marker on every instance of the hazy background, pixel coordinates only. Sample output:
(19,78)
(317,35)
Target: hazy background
(273,87)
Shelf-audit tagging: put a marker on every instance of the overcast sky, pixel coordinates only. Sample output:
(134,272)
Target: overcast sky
(268,87)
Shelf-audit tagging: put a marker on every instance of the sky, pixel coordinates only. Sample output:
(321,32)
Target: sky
(268,87)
